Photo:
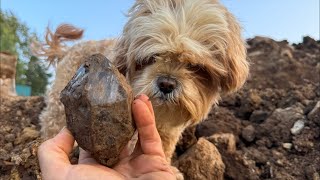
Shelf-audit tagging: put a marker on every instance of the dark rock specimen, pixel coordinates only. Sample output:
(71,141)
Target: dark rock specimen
(98,109)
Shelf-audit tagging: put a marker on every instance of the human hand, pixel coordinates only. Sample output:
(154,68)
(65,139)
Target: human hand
(146,162)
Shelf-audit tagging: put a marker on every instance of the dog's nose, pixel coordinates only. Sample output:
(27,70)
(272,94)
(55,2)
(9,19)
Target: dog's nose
(166,84)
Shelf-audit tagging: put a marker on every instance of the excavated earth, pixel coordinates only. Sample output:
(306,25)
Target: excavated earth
(271,127)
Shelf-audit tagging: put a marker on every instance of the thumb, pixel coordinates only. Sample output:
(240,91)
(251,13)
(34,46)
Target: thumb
(149,137)
(53,154)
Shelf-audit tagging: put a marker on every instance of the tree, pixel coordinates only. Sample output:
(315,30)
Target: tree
(15,38)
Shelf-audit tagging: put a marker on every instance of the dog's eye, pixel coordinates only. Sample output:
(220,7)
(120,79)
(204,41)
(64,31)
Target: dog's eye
(145,62)
(199,71)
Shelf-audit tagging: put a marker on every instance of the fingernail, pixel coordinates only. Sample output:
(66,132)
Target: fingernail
(137,96)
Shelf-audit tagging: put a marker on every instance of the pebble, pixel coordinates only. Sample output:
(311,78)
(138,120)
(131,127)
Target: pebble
(19,113)
(9,137)
(297,127)
(287,146)
(248,133)
(4,155)
(314,114)
(28,134)
(8,147)
(258,116)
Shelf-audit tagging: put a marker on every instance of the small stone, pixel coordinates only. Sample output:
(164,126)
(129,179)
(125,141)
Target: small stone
(297,127)
(9,137)
(314,114)
(287,146)
(19,113)
(187,140)
(98,109)
(201,161)
(248,133)
(258,116)
(7,128)
(279,162)
(27,134)
(4,155)
(16,159)
(224,142)
(316,176)
(255,99)
(8,147)
(302,145)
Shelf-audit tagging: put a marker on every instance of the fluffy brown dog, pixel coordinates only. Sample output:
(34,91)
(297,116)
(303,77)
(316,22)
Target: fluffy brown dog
(181,53)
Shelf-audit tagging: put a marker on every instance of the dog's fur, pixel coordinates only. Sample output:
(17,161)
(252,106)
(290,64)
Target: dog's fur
(195,43)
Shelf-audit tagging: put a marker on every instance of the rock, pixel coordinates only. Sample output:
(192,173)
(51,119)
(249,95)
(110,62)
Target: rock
(27,134)
(258,116)
(248,133)
(297,127)
(98,109)
(9,137)
(287,146)
(8,147)
(314,114)
(276,127)
(257,155)
(224,142)
(221,120)
(311,173)
(302,144)
(187,140)
(4,155)
(201,161)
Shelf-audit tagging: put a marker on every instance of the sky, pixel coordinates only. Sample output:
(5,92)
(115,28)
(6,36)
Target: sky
(278,19)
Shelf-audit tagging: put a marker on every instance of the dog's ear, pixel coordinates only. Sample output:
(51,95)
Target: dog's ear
(235,60)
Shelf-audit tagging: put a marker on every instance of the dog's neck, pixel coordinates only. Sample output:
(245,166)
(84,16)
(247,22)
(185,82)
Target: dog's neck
(170,122)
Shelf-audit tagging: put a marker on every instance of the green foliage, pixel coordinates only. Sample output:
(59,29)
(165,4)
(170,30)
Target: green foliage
(15,38)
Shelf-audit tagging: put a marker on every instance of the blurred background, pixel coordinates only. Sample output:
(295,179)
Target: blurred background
(22,21)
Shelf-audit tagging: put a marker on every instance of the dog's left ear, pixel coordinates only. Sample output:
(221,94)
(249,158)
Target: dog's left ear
(235,60)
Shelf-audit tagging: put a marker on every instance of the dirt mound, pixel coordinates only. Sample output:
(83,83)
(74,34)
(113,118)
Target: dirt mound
(19,137)
(268,130)
(275,117)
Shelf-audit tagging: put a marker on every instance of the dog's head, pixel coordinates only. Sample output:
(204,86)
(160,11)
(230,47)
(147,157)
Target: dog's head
(183,54)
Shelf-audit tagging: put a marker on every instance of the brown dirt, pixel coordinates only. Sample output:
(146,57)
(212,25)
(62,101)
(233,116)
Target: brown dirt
(283,88)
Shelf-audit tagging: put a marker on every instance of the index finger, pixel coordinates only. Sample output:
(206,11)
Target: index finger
(149,137)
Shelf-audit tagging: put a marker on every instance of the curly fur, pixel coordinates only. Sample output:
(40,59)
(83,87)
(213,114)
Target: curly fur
(195,42)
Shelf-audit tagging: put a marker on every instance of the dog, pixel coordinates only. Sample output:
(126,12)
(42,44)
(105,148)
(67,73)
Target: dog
(183,54)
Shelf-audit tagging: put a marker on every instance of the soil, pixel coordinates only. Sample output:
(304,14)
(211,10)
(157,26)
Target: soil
(274,119)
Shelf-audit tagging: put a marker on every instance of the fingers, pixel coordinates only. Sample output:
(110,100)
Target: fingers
(53,153)
(144,98)
(148,135)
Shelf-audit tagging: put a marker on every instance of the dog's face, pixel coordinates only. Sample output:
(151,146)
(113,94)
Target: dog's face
(182,54)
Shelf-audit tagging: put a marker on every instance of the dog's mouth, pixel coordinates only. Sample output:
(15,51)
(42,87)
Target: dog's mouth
(160,98)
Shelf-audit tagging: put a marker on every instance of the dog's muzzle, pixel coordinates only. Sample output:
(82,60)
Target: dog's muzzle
(166,84)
